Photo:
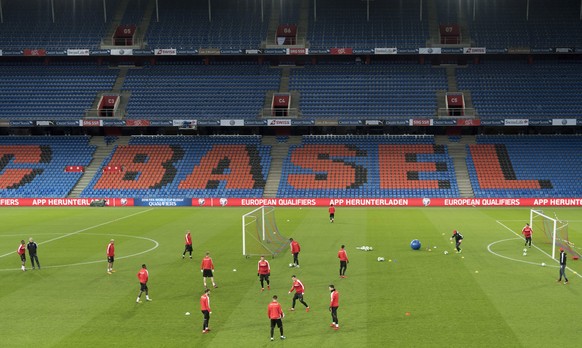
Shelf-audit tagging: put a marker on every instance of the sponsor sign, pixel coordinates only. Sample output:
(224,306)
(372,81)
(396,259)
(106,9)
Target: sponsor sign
(141,52)
(540,122)
(326,122)
(451,50)
(396,122)
(62,202)
(297,51)
(474,50)
(318,51)
(232,123)
(444,122)
(121,52)
(299,202)
(385,50)
(34,52)
(518,50)
(91,123)
(275,51)
(208,123)
(187,52)
(564,122)
(99,52)
(429,50)
(109,122)
(363,51)
(341,51)
(20,123)
(492,122)
(44,123)
(302,122)
(542,50)
(78,52)
(160,122)
(210,51)
(516,122)
(373,123)
(185,123)
(230,51)
(137,123)
(254,51)
(422,122)
(165,52)
(68,123)
(278,122)
(0,53)
(468,122)
(255,122)
(495,50)
(565,50)
(162,202)
(56,53)
(350,122)
(389,202)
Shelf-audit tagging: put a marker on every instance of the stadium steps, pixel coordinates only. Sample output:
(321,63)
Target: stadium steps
(303,22)
(106,41)
(271,39)
(142,28)
(457,151)
(101,152)
(279,151)
(433,25)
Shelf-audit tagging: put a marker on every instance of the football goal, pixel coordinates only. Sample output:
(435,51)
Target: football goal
(555,230)
(260,235)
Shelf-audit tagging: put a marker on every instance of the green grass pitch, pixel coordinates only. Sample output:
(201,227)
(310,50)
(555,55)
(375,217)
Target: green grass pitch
(490,295)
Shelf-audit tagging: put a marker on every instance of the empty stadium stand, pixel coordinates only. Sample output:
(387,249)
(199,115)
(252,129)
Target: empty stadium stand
(526,166)
(200,92)
(42,166)
(184,167)
(38,91)
(382,90)
(368,166)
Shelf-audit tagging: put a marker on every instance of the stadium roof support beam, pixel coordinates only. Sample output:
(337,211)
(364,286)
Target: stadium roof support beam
(209,11)
(420,11)
(157,12)
(527,11)
(104,12)
(1,13)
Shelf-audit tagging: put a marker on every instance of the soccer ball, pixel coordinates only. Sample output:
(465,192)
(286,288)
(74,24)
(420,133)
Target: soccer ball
(524,250)
(415,244)
(380,259)
(524,254)
(543,264)
(445,252)
(291,265)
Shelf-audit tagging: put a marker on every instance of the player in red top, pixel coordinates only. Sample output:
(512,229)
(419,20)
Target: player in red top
(331,213)
(295,249)
(207,269)
(143,275)
(527,232)
(263,272)
(22,252)
(205,309)
(333,306)
(110,256)
(343,256)
(188,242)
(275,313)
(299,291)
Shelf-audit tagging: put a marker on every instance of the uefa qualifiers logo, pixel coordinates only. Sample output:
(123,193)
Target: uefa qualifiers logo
(201,201)
(426,202)
(223,202)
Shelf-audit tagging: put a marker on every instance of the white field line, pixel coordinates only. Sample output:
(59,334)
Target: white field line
(86,229)
(535,246)
(156,245)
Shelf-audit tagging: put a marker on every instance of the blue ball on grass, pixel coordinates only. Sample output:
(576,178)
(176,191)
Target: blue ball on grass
(415,244)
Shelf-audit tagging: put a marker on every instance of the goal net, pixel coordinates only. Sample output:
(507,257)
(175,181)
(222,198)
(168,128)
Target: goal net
(260,235)
(555,230)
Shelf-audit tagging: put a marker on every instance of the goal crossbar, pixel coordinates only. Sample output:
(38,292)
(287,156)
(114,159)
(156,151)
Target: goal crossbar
(260,234)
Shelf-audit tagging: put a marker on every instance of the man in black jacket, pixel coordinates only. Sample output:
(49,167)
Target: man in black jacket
(32,246)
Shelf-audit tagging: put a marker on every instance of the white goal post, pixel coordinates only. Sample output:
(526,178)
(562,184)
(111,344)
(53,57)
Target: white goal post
(260,234)
(555,230)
